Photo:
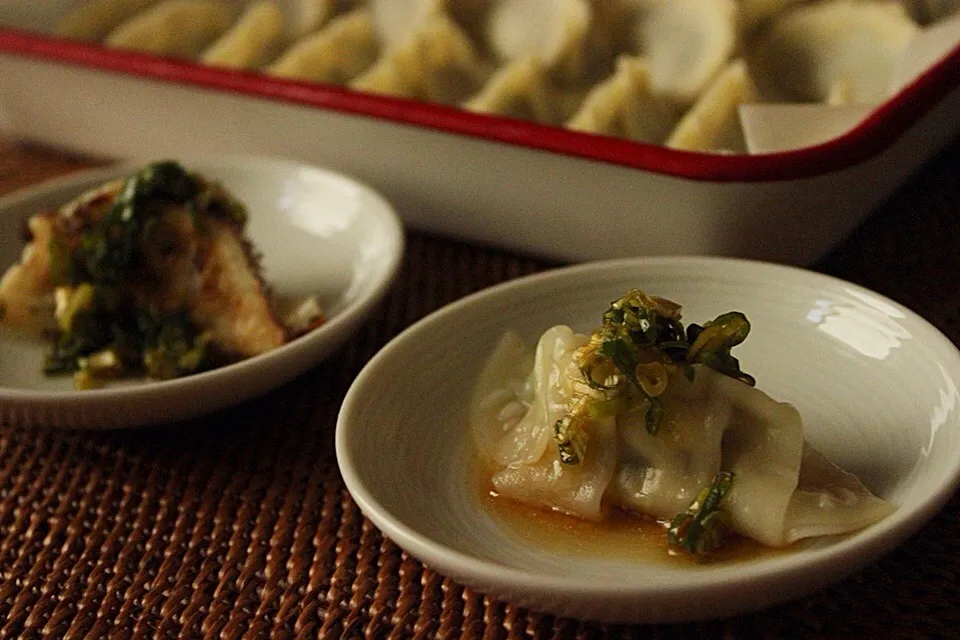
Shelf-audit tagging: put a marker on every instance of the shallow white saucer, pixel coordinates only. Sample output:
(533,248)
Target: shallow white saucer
(876,386)
(319,233)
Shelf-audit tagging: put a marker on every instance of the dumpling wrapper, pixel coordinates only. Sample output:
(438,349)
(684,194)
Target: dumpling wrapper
(513,427)
(520,89)
(399,20)
(553,31)
(686,43)
(712,123)
(624,106)
(304,17)
(842,92)
(396,21)
(437,64)
(94,19)
(253,41)
(783,490)
(524,393)
(806,51)
(336,54)
(180,28)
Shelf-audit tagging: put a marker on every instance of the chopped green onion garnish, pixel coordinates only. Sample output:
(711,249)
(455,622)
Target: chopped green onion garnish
(632,353)
(703,527)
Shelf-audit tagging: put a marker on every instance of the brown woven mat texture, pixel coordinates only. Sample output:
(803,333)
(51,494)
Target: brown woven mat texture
(238,525)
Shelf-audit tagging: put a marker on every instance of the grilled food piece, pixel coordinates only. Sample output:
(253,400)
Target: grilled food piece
(152,274)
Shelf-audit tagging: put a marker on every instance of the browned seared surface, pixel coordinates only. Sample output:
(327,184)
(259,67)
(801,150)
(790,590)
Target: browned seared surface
(237,525)
(232,302)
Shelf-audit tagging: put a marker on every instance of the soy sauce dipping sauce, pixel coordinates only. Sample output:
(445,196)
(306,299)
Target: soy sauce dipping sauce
(621,535)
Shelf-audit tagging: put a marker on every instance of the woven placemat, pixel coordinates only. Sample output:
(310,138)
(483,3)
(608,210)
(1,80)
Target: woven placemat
(239,526)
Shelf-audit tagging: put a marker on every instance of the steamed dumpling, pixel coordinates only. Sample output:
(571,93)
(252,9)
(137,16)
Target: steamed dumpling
(713,420)
(521,394)
(253,41)
(624,106)
(713,122)
(336,54)
(806,51)
(437,64)
(686,42)
(553,31)
(94,19)
(783,490)
(182,28)
(520,89)
(513,417)
(829,501)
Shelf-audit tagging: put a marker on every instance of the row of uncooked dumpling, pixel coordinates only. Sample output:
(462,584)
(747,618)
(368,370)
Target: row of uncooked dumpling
(660,71)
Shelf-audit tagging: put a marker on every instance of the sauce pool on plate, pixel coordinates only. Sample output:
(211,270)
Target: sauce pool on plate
(619,536)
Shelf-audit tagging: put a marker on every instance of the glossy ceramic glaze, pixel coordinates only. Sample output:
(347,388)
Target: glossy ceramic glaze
(319,233)
(876,386)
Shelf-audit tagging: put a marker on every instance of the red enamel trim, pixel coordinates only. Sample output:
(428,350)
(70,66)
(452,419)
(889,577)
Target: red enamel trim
(870,138)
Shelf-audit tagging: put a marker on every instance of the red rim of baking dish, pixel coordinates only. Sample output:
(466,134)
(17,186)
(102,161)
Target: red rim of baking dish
(871,137)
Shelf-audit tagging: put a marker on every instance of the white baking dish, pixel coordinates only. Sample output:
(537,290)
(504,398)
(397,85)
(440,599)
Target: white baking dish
(513,184)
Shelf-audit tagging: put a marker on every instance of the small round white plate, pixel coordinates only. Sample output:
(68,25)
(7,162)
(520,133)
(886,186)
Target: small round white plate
(875,384)
(319,233)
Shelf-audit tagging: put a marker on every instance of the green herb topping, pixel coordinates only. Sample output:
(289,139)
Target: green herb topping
(703,527)
(110,250)
(629,358)
(108,324)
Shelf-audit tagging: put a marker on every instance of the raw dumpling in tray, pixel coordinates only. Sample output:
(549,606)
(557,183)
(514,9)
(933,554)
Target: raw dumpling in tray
(253,41)
(304,17)
(397,21)
(520,89)
(94,19)
(686,43)
(652,417)
(336,54)
(438,63)
(553,31)
(181,28)
(713,122)
(806,51)
(624,106)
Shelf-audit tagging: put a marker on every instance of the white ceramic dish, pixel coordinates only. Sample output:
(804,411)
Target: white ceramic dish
(875,384)
(320,233)
(514,184)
